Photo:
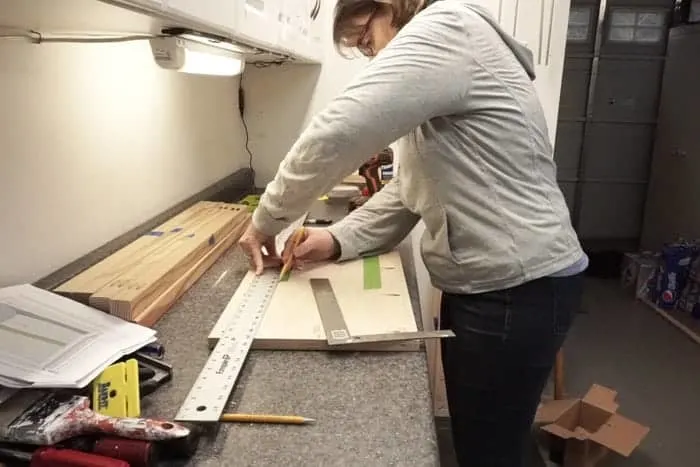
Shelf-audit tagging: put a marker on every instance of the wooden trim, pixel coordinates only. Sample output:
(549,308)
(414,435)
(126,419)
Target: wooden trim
(693,335)
(230,188)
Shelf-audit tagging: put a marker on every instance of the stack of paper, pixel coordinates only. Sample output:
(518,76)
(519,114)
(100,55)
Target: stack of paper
(48,341)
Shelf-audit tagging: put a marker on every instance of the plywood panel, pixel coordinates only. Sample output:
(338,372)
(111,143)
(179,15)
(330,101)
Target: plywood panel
(292,320)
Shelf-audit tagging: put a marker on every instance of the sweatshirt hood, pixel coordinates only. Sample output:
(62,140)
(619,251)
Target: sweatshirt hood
(521,52)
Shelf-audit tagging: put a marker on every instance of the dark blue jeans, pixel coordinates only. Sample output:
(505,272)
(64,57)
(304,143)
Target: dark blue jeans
(499,362)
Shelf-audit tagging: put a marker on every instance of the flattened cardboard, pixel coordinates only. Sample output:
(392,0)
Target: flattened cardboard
(591,427)
(620,434)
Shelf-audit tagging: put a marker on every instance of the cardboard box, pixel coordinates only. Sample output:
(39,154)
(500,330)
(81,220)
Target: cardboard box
(590,427)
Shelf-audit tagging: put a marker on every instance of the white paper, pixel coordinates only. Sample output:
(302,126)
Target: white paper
(47,340)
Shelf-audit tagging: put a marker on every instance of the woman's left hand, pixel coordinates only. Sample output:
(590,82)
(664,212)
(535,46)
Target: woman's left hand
(252,241)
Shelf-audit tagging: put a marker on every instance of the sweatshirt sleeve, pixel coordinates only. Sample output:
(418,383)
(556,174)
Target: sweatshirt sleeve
(375,227)
(421,74)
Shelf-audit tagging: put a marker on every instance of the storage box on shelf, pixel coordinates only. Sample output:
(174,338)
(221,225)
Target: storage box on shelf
(673,289)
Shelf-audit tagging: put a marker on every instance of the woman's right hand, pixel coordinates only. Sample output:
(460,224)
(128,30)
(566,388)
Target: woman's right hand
(315,245)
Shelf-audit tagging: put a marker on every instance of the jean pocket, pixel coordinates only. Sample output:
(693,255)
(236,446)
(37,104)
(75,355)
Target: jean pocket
(487,314)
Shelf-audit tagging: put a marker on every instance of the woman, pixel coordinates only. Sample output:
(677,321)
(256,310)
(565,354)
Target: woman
(476,166)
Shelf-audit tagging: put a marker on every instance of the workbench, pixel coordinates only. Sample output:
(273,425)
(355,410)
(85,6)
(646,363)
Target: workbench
(371,409)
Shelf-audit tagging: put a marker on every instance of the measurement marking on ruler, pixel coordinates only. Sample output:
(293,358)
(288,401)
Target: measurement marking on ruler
(210,393)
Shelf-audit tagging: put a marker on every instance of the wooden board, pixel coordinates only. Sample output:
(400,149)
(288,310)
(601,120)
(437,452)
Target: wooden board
(155,310)
(136,287)
(434,354)
(85,284)
(292,321)
(144,279)
(694,335)
(132,291)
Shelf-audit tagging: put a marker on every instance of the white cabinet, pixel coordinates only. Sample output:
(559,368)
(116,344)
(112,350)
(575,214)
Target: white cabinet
(534,25)
(545,28)
(532,22)
(152,5)
(301,27)
(542,26)
(221,14)
(258,21)
(291,27)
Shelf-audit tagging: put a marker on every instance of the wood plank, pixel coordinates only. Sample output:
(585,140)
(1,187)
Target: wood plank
(292,321)
(132,292)
(693,335)
(121,274)
(150,315)
(434,355)
(83,285)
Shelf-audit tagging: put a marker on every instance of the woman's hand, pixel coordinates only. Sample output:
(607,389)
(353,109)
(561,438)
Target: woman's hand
(252,242)
(315,245)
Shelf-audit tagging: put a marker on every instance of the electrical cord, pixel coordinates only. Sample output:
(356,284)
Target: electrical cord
(36,37)
(246,134)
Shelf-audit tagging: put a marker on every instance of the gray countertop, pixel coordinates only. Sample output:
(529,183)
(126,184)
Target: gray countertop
(371,409)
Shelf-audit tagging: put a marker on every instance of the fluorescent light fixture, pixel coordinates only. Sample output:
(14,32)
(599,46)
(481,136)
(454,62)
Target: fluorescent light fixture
(187,56)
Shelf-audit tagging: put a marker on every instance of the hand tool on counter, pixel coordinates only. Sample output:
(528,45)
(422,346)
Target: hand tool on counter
(153,373)
(41,418)
(155,349)
(337,332)
(211,390)
(135,453)
(371,172)
(54,457)
(115,392)
(138,453)
(264,418)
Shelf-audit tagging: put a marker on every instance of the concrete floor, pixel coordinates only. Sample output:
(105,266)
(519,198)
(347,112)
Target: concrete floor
(621,343)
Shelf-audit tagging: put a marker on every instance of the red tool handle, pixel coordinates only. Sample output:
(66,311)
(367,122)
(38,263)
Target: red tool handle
(52,457)
(137,453)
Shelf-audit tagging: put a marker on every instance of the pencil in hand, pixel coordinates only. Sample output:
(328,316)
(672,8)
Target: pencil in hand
(297,237)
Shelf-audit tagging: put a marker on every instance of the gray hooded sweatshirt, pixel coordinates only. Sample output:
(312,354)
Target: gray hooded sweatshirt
(476,160)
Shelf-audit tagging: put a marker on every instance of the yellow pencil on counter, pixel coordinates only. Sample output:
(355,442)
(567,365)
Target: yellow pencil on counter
(297,237)
(260,418)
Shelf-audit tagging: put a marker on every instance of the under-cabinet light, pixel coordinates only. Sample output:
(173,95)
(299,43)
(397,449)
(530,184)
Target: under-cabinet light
(179,54)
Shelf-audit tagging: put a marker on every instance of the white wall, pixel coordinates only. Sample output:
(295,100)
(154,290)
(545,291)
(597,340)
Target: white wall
(281,100)
(94,140)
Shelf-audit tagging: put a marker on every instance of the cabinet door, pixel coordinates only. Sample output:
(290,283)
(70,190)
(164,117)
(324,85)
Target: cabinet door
(542,25)
(259,21)
(299,31)
(219,13)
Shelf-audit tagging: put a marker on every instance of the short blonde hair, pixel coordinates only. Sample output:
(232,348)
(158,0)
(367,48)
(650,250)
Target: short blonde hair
(346,10)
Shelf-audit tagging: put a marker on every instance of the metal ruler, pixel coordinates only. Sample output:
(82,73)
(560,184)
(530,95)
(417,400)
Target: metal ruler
(210,393)
(336,330)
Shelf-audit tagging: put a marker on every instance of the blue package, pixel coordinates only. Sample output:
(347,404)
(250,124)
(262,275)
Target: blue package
(672,274)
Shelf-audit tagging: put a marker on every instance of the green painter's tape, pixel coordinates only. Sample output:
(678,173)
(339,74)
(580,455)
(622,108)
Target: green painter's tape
(372,273)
